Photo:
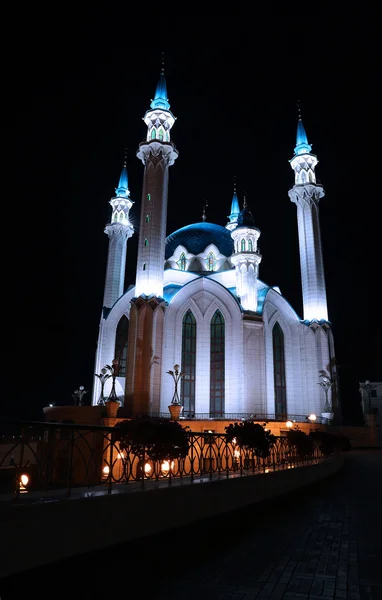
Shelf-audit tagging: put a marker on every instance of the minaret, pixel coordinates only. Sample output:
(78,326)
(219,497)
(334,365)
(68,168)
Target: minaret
(235,210)
(157,153)
(246,258)
(119,231)
(306,194)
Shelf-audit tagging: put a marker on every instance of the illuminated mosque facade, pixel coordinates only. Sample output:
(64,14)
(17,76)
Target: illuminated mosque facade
(199,301)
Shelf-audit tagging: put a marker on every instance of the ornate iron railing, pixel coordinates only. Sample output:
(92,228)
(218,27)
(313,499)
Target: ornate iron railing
(265,417)
(51,460)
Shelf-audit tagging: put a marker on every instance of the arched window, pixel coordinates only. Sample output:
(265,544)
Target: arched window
(303,176)
(144,267)
(182,262)
(167,136)
(146,242)
(250,246)
(120,350)
(243,245)
(217,365)
(153,133)
(160,134)
(187,387)
(210,261)
(148,197)
(147,218)
(279,372)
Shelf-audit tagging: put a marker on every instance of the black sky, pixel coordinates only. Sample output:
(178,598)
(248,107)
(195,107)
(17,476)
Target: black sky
(78,87)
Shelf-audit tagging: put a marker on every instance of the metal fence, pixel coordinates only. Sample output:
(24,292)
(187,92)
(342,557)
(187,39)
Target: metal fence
(47,458)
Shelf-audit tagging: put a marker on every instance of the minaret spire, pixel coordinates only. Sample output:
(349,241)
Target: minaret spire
(235,208)
(306,194)
(246,258)
(204,218)
(119,231)
(157,153)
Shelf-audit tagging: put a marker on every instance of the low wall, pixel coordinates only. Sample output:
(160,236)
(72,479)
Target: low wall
(39,534)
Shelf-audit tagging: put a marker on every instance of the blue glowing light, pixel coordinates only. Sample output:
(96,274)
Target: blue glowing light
(302,146)
(160,98)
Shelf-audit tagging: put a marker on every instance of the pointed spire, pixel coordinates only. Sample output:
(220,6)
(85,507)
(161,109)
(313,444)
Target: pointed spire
(160,98)
(122,190)
(235,208)
(204,218)
(245,200)
(302,145)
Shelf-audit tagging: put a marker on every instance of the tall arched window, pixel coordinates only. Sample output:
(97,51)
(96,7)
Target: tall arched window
(147,218)
(250,246)
(120,350)
(243,245)
(160,135)
(153,133)
(187,387)
(217,365)
(279,372)
(182,262)
(146,242)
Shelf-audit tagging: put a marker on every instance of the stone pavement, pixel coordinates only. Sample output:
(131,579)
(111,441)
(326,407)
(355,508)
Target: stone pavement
(321,542)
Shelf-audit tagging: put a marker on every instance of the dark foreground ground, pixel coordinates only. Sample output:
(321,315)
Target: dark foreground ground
(322,542)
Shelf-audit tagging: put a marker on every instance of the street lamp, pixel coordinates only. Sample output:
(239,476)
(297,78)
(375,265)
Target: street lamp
(367,386)
(114,368)
(78,395)
(103,377)
(289,424)
(176,375)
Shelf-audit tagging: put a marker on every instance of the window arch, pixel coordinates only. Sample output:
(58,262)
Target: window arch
(153,133)
(146,242)
(167,136)
(217,365)
(303,176)
(121,340)
(243,245)
(187,387)
(147,218)
(160,134)
(182,262)
(279,372)
(250,246)
(210,261)
(144,267)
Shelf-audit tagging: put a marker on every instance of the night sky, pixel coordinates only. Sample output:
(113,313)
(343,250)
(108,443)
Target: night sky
(78,89)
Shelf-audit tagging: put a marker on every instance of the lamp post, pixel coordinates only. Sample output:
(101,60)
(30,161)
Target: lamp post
(114,368)
(176,375)
(103,376)
(78,395)
(175,407)
(366,387)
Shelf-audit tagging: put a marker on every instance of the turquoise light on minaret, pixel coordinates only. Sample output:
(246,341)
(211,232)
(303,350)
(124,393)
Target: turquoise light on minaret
(157,154)
(302,146)
(160,98)
(306,194)
(235,210)
(119,231)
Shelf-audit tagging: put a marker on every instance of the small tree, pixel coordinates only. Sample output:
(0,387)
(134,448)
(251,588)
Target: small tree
(301,441)
(251,436)
(153,437)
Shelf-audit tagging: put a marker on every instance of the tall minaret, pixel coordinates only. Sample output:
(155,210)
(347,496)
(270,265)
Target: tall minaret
(119,231)
(246,258)
(235,209)
(157,153)
(306,194)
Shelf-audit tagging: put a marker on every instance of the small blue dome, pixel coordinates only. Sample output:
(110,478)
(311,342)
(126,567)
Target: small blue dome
(198,236)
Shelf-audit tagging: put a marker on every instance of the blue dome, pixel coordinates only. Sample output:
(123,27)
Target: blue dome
(198,236)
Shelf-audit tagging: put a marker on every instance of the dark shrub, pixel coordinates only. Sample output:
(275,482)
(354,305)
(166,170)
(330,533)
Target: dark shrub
(251,436)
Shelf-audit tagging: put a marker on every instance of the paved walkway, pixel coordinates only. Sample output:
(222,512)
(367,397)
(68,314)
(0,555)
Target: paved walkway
(322,542)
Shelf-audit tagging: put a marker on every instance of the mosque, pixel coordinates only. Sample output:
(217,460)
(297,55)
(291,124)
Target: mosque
(199,301)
